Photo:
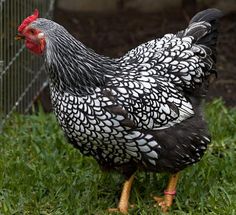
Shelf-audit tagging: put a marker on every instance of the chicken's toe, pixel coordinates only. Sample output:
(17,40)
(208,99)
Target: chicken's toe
(121,210)
(161,202)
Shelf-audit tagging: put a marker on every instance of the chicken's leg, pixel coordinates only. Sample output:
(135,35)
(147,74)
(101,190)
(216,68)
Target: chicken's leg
(166,202)
(124,198)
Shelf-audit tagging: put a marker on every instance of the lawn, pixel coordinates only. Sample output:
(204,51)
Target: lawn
(42,174)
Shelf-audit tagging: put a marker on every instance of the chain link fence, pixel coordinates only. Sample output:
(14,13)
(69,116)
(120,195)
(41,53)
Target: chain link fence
(22,74)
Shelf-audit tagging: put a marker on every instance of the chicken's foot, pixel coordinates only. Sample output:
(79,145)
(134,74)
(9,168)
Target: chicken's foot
(124,199)
(169,194)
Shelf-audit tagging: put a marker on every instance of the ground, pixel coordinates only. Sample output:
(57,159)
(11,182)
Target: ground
(115,34)
(42,174)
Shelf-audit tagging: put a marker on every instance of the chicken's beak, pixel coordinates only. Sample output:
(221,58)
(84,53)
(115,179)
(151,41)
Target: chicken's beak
(19,37)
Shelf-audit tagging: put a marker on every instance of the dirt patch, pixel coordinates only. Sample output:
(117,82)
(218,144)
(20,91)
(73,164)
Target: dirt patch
(115,34)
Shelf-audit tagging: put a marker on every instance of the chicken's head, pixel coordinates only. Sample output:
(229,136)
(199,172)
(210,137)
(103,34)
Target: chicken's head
(34,38)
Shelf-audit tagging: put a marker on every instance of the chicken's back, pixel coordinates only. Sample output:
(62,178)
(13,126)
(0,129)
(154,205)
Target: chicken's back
(186,59)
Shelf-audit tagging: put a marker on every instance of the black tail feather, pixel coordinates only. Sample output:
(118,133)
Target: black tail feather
(206,35)
(208,15)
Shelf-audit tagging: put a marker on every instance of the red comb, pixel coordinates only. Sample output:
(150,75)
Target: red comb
(28,20)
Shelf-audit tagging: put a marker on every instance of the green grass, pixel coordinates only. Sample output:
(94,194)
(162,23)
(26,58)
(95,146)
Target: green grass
(41,174)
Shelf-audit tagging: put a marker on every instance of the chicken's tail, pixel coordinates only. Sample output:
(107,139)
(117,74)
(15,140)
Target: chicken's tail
(203,28)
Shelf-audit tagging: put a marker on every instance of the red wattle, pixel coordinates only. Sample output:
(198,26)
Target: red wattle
(35,48)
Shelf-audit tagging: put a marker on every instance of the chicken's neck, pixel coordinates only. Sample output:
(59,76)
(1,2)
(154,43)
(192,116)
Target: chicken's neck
(75,69)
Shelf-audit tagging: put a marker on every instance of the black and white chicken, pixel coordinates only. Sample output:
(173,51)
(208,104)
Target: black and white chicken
(140,111)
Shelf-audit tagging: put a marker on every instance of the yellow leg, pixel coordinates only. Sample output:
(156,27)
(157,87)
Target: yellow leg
(170,191)
(124,198)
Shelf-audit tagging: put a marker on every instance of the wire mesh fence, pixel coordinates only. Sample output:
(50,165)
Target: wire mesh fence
(21,73)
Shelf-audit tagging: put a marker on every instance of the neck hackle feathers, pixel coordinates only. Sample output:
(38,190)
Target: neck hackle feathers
(28,20)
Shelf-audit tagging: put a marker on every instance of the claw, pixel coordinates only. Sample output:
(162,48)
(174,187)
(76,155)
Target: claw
(121,210)
(161,202)
(113,210)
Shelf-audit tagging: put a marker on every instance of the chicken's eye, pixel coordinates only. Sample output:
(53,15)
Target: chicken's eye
(32,31)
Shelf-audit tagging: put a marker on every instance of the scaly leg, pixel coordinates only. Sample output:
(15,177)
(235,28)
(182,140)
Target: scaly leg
(169,193)
(124,198)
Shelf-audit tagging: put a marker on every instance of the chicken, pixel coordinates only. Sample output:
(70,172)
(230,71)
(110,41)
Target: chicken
(141,111)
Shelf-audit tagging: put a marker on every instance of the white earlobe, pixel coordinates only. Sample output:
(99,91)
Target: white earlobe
(40,35)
